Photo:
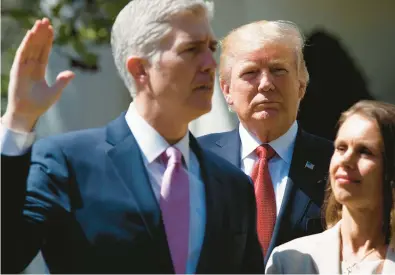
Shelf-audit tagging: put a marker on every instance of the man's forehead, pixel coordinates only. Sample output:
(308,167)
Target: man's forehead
(191,24)
(265,54)
(186,36)
(189,33)
(195,31)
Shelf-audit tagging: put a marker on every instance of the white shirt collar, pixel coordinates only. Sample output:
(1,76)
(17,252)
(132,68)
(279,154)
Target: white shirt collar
(151,143)
(282,145)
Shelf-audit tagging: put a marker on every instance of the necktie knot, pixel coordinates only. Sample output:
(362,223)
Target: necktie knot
(172,156)
(265,151)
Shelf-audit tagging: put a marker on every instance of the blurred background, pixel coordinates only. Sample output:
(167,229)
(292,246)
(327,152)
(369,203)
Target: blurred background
(349,54)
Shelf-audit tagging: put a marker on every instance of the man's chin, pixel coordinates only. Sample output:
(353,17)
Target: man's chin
(204,109)
(266,114)
(199,111)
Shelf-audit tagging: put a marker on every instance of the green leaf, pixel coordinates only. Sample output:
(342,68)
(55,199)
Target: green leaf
(88,33)
(94,17)
(25,18)
(55,11)
(90,59)
(5,79)
(63,34)
(17,13)
(79,47)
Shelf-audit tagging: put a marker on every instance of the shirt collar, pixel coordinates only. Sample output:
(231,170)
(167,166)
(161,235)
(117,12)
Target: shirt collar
(151,143)
(283,145)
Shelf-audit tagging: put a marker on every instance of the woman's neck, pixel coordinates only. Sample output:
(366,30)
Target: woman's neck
(361,231)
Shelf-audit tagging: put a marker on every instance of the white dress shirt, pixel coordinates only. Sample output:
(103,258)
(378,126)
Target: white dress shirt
(152,145)
(15,143)
(278,166)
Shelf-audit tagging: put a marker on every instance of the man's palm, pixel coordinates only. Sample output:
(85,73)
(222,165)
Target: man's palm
(29,95)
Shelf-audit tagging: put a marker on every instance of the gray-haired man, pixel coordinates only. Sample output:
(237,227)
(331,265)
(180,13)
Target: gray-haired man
(138,195)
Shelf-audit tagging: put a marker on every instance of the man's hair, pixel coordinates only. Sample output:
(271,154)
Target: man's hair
(254,36)
(140,27)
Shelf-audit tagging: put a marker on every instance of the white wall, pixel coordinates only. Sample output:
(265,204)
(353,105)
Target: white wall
(366,29)
(91,99)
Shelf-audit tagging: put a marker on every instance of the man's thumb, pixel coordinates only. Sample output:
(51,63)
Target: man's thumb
(62,80)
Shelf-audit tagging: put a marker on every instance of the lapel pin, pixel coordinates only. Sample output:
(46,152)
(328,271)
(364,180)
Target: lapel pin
(309,165)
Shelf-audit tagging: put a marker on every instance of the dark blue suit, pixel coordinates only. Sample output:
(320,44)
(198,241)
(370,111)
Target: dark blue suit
(90,208)
(300,211)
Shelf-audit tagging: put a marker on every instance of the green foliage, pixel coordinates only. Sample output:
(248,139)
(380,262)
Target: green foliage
(76,23)
(5,78)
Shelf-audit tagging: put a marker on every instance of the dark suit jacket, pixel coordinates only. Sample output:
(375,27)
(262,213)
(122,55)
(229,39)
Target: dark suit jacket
(300,211)
(90,208)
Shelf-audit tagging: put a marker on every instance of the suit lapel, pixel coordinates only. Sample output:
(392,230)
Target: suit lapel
(128,163)
(297,178)
(214,210)
(280,218)
(297,194)
(389,262)
(327,252)
(228,147)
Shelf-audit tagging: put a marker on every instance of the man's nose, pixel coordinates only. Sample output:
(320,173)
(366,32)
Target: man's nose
(265,83)
(209,63)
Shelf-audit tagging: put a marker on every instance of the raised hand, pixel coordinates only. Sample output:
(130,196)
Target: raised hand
(29,95)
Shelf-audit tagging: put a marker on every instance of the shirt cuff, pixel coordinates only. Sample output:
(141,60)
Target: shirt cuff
(14,143)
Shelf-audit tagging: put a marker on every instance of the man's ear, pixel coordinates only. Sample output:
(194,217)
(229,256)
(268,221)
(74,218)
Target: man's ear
(226,91)
(136,67)
(302,89)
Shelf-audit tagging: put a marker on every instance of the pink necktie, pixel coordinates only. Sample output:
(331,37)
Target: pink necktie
(174,204)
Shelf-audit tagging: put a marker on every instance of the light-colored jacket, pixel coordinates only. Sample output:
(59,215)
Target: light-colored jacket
(315,254)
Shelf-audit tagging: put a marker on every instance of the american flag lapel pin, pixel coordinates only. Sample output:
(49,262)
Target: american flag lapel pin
(309,165)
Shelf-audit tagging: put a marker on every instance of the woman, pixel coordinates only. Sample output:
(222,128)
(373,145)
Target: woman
(359,208)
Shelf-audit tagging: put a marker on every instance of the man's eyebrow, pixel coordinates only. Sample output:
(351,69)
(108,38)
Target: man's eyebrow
(213,43)
(278,62)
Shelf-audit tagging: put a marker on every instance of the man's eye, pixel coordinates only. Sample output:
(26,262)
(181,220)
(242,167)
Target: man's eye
(365,151)
(250,72)
(279,71)
(191,49)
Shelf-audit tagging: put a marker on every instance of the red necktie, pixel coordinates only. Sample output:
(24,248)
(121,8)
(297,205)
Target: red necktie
(264,195)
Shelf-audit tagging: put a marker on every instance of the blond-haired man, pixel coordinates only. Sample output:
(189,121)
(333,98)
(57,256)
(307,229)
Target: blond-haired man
(263,78)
